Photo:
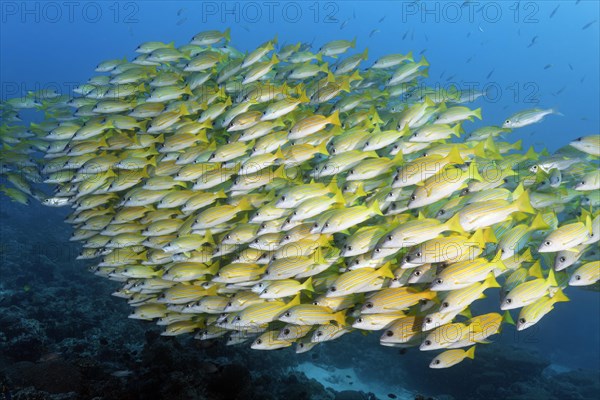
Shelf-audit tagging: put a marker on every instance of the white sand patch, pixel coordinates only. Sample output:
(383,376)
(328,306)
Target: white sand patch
(346,379)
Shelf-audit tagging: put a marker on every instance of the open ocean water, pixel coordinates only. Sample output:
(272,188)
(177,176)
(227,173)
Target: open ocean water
(62,334)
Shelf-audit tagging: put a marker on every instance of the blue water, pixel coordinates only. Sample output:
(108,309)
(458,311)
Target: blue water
(515,50)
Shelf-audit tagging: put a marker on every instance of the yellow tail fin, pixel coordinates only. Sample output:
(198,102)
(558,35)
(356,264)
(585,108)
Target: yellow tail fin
(559,296)
(470,353)
(551,278)
(453,224)
(334,118)
(490,281)
(536,270)
(386,271)
(340,318)
(307,285)
(523,204)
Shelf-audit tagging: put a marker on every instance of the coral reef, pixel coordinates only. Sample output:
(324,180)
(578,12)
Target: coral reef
(63,337)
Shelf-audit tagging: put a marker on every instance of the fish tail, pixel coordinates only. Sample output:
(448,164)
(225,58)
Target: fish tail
(559,295)
(507,318)
(334,118)
(470,353)
(523,203)
(375,209)
(385,271)
(551,278)
(453,224)
(536,270)
(307,285)
(213,269)
(490,281)
(340,318)
(538,223)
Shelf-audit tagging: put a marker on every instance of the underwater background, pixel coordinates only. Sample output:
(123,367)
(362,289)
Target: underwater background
(63,336)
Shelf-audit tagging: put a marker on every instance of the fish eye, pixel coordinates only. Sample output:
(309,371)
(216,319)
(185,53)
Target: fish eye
(227,237)
(562,259)
(238,318)
(508,301)
(413,197)
(282,198)
(349,248)
(437,362)
(288,314)
(547,243)
(286,331)
(522,320)
(427,343)
(507,121)
(369,305)
(356,262)
(419,254)
(319,333)
(359,320)
(258,341)
(351,172)
(389,333)
(332,289)
(577,277)
(263,225)
(417,273)
(445,304)
(378,250)
(390,237)
(327,225)
(315,303)
(441,212)
(315,225)
(287,237)
(428,320)
(367,143)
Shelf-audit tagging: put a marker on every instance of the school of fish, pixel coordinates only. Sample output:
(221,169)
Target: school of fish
(286,196)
